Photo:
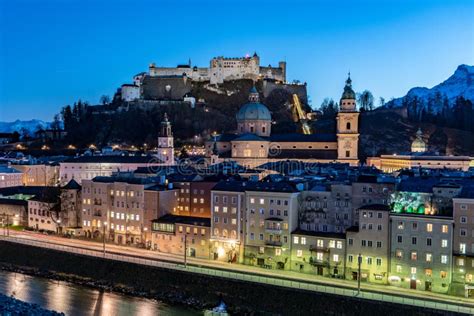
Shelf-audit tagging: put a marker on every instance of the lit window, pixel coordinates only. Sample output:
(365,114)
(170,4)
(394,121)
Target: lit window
(429,257)
(299,253)
(444,229)
(461,262)
(399,268)
(319,256)
(278,252)
(320,243)
(216,209)
(429,228)
(252,200)
(303,240)
(224,209)
(296,240)
(332,243)
(262,201)
(339,245)
(413,270)
(335,258)
(444,259)
(414,255)
(444,243)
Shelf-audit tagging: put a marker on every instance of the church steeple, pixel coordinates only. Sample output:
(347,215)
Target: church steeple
(348,98)
(166,142)
(253,95)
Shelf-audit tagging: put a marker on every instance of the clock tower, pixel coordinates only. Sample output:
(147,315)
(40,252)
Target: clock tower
(348,126)
(165,142)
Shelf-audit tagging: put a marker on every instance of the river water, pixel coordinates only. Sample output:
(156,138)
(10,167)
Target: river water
(74,299)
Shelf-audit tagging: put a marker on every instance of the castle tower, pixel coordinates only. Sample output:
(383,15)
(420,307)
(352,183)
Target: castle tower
(165,142)
(348,126)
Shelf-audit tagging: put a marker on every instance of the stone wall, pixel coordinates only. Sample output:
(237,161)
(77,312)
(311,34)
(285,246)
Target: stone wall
(203,291)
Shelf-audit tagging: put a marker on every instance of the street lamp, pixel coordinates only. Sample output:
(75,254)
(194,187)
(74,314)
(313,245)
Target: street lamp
(185,248)
(103,237)
(359,263)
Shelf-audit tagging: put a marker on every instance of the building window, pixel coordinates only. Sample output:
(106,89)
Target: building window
(414,255)
(278,252)
(462,249)
(413,270)
(348,126)
(335,258)
(444,259)
(413,240)
(429,228)
(428,241)
(303,240)
(348,153)
(369,261)
(399,254)
(350,258)
(299,253)
(378,261)
(398,268)
(444,229)
(444,243)
(429,257)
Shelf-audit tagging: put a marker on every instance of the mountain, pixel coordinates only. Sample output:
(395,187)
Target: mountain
(461,83)
(31,126)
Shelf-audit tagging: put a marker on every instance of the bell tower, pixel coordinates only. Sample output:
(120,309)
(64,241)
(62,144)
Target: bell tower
(165,142)
(348,126)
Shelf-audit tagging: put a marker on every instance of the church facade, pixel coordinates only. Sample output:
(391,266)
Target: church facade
(254,144)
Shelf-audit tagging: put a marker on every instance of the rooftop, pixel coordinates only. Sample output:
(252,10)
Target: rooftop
(114,159)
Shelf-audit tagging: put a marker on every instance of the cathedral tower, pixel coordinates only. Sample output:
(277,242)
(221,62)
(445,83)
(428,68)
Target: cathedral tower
(165,142)
(348,126)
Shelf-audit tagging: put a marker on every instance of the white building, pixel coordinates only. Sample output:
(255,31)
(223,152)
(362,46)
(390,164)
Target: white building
(10,177)
(88,167)
(130,92)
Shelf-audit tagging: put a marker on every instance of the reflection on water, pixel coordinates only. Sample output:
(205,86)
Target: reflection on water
(72,299)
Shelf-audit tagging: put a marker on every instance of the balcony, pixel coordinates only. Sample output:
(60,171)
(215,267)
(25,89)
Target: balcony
(274,243)
(273,230)
(317,248)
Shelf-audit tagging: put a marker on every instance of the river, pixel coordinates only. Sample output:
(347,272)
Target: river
(72,299)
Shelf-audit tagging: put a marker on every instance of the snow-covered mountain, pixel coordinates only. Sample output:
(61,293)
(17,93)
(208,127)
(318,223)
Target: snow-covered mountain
(461,83)
(31,126)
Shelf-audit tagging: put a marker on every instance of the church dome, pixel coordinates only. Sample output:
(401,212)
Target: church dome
(254,110)
(418,145)
(348,92)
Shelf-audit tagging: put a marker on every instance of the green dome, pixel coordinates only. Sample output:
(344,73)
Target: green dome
(253,111)
(348,92)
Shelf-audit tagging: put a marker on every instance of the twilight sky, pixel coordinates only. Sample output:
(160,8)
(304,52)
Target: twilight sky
(53,52)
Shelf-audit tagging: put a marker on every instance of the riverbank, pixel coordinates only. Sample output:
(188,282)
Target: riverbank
(12,306)
(190,289)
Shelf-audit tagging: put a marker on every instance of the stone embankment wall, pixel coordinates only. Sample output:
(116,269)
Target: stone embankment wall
(187,288)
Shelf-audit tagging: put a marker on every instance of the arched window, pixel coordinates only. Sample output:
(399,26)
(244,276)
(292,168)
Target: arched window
(216,232)
(233,234)
(263,129)
(348,125)
(224,233)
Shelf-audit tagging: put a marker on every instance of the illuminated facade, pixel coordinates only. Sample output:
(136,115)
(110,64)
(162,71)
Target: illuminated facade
(318,253)
(421,252)
(371,241)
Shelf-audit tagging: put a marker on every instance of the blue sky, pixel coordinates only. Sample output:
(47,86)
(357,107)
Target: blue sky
(53,52)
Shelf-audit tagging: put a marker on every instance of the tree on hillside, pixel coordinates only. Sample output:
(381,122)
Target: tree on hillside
(381,102)
(104,99)
(365,100)
(329,108)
